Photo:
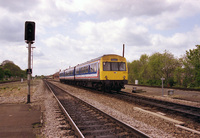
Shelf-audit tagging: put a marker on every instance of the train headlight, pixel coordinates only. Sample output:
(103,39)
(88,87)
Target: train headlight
(106,77)
(124,77)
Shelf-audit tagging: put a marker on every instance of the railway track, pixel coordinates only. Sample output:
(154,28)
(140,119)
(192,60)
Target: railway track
(186,110)
(87,121)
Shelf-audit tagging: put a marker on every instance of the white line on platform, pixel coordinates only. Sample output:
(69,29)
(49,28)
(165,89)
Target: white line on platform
(161,116)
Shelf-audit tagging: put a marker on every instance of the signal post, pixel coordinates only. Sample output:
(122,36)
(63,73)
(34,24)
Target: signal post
(29,37)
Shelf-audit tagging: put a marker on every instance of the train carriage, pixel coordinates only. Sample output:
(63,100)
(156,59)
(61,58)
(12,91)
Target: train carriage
(108,72)
(87,71)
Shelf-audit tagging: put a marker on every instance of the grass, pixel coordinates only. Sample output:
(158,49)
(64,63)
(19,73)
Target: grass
(17,89)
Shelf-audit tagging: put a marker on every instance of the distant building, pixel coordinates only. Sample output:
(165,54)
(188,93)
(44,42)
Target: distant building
(56,75)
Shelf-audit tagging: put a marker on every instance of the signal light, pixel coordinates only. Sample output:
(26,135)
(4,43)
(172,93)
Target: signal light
(29,31)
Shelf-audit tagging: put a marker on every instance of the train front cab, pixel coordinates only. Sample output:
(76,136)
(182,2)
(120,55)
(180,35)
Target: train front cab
(113,72)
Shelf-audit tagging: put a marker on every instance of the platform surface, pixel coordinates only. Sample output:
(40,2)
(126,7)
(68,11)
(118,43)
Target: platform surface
(18,120)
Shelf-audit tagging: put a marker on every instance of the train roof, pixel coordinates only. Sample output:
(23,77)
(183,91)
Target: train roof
(95,59)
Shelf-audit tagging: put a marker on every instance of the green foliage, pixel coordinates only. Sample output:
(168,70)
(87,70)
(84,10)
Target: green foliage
(155,66)
(150,69)
(182,72)
(10,70)
(178,75)
(7,73)
(13,69)
(192,67)
(2,74)
(137,69)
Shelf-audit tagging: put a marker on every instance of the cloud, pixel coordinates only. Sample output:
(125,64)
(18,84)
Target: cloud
(69,32)
(114,31)
(19,5)
(177,43)
(115,9)
(11,30)
(170,18)
(14,51)
(178,39)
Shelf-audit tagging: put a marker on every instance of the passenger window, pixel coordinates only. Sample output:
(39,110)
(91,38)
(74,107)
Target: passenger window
(86,69)
(77,70)
(92,68)
(71,73)
(95,67)
(81,70)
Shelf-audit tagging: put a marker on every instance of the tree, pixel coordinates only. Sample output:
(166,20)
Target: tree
(169,67)
(181,72)
(143,71)
(155,67)
(14,69)
(178,75)
(138,70)
(1,73)
(133,69)
(7,73)
(11,70)
(192,67)
(149,69)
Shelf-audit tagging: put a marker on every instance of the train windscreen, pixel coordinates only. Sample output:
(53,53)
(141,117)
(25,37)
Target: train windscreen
(114,66)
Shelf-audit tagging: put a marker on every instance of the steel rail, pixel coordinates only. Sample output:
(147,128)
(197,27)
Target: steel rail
(73,125)
(129,128)
(181,108)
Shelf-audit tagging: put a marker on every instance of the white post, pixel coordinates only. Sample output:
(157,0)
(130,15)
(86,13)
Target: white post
(162,86)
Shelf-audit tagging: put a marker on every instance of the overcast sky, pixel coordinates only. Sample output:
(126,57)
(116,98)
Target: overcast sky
(69,32)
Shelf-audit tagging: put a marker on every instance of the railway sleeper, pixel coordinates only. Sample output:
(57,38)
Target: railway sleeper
(103,132)
(95,127)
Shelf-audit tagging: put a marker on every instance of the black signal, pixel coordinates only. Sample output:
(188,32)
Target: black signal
(29,31)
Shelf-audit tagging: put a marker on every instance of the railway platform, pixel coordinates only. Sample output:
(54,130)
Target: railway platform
(18,120)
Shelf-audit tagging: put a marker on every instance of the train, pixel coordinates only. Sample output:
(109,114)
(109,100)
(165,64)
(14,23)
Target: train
(107,73)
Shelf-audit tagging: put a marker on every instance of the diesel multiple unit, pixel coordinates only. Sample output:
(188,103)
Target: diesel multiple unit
(108,72)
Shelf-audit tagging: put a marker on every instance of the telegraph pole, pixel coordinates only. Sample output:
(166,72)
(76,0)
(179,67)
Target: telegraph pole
(123,50)
(29,37)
